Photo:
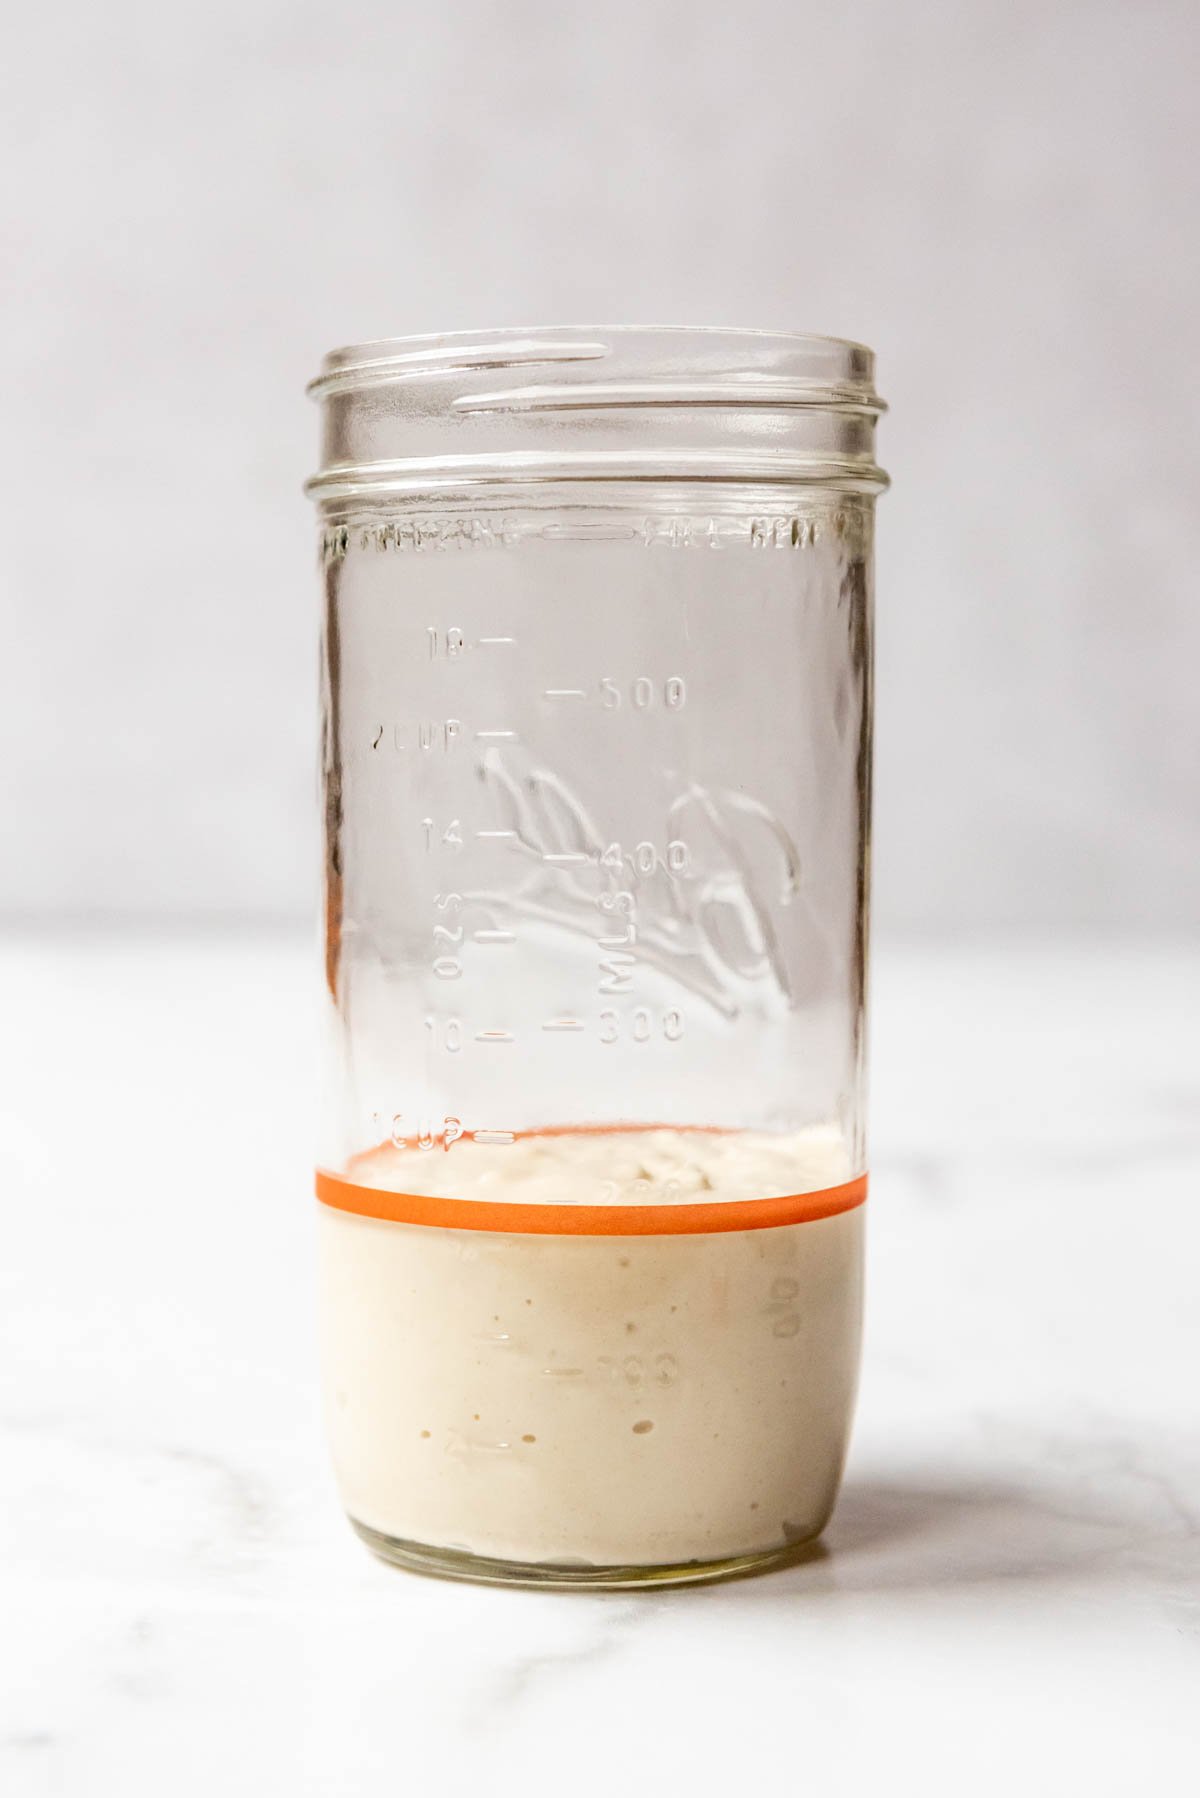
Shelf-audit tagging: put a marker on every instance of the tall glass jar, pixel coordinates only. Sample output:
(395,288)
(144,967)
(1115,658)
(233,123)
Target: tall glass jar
(597,765)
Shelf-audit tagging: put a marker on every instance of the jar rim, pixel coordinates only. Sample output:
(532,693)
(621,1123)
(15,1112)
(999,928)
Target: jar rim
(443,352)
(591,403)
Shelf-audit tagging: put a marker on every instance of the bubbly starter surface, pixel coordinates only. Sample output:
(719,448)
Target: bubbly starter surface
(595,1400)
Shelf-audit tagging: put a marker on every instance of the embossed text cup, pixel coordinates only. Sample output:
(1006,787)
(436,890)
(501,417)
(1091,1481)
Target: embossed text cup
(597,764)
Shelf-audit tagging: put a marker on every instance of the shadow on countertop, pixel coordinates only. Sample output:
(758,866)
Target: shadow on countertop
(912,1534)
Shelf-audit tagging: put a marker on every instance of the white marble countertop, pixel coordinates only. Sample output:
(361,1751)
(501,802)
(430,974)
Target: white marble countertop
(1009,1598)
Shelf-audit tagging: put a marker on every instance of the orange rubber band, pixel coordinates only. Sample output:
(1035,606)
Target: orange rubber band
(511,1217)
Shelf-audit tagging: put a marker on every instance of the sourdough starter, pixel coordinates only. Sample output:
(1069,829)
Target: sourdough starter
(595,1401)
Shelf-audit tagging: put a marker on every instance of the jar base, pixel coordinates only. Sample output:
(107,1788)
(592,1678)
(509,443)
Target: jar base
(457,1564)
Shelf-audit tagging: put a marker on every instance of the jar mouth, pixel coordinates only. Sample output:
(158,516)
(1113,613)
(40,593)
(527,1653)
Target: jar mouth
(664,350)
(629,402)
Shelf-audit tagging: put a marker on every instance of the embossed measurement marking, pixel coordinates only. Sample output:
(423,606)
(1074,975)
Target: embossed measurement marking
(495,736)
(614,973)
(494,1036)
(494,836)
(491,642)
(563,693)
(498,1138)
(563,1024)
(492,936)
(566,855)
(589,533)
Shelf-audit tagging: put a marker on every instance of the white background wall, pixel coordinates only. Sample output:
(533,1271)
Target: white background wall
(1001,198)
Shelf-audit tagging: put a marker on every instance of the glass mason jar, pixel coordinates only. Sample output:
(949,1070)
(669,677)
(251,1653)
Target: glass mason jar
(597,766)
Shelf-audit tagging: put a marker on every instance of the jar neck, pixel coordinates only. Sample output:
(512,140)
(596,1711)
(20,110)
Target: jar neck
(514,407)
